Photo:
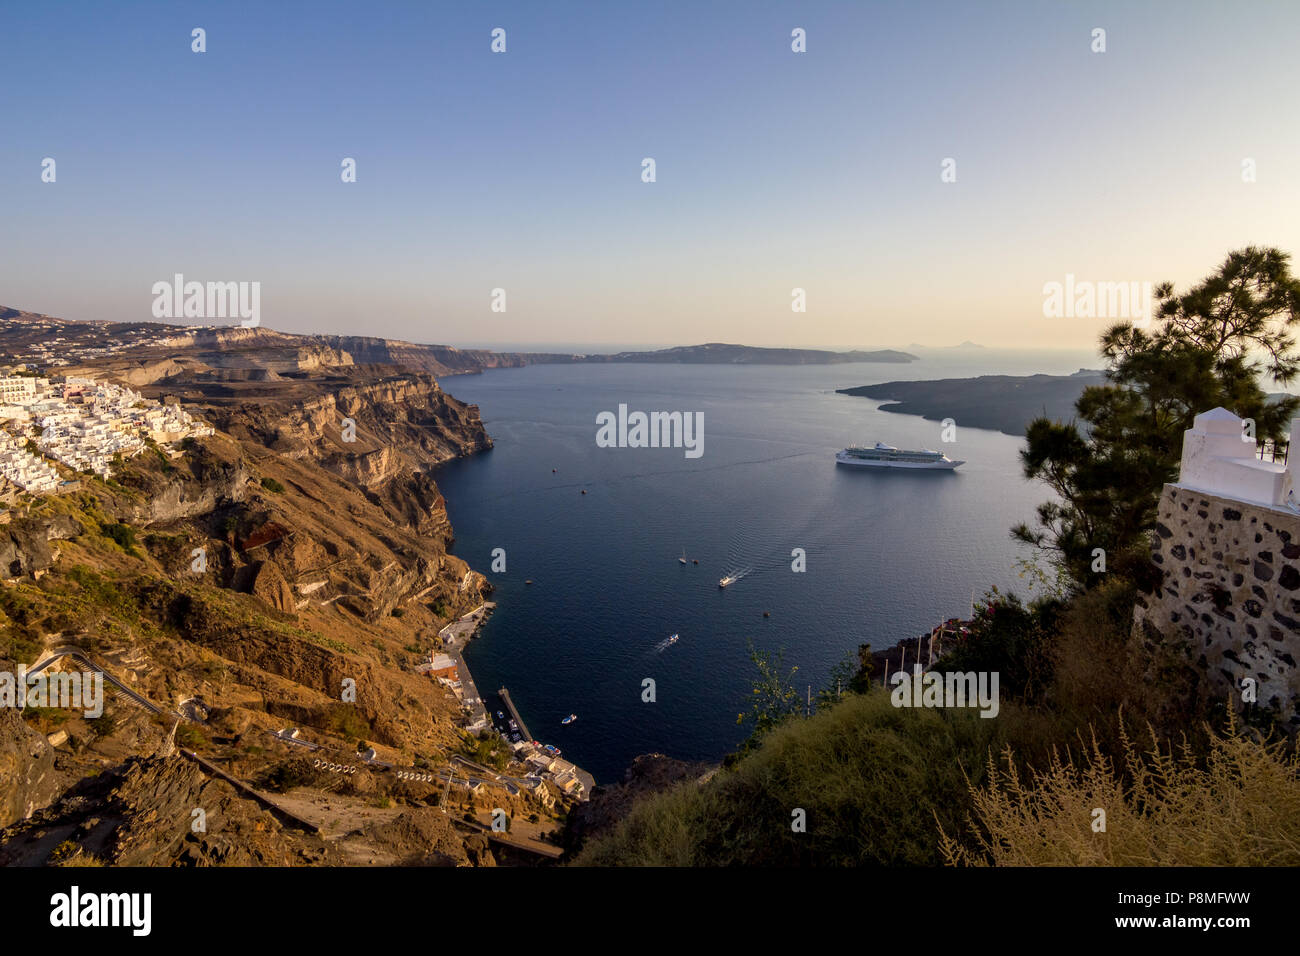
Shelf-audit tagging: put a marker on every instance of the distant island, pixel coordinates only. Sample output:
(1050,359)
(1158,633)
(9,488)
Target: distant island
(1005,403)
(717,353)
(153,350)
(968,344)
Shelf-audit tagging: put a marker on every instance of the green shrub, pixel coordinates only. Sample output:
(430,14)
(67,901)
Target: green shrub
(190,737)
(123,535)
(1010,638)
(344,720)
(270,484)
(286,776)
(875,782)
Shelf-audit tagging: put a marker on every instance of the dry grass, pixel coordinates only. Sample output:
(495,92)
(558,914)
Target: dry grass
(1102,670)
(1238,806)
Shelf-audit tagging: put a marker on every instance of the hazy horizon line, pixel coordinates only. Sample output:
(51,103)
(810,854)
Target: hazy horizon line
(565,348)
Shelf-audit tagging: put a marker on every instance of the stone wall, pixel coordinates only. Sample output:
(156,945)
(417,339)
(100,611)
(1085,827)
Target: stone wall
(1231,589)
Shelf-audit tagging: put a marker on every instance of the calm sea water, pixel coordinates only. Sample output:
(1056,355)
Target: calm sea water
(889,553)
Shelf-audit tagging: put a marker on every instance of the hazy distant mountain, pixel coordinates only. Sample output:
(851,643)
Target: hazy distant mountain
(946,348)
(717,353)
(142,352)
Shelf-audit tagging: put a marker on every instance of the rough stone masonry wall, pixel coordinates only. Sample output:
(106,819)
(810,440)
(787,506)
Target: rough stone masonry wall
(1231,589)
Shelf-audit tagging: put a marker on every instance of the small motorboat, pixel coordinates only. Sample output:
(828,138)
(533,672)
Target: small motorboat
(570,719)
(729,579)
(672,640)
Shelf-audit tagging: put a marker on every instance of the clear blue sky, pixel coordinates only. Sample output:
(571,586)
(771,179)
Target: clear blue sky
(522,170)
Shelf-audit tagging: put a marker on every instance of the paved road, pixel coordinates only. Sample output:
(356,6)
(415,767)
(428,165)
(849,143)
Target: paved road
(487,775)
(283,737)
(469,691)
(458,631)
(455,638)
(548,850)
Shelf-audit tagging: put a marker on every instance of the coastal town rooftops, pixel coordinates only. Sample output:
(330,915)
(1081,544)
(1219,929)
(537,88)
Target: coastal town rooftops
(567,782)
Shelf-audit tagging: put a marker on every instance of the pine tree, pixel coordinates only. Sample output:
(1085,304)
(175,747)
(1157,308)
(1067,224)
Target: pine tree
(1211,346)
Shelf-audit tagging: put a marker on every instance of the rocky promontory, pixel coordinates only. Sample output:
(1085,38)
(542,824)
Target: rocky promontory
(1005,403)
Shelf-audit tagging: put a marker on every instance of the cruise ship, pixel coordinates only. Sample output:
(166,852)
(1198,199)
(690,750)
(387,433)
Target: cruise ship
(887,456)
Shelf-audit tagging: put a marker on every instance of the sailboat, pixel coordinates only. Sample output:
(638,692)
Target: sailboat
(682,559)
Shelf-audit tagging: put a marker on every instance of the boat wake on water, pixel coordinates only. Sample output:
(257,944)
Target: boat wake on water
(666,643)
(731,577)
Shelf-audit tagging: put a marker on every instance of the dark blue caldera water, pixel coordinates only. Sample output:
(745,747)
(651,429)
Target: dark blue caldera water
(889,553)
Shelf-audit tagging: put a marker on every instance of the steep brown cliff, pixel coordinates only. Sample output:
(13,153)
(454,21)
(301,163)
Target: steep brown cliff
(366,428)
(28,779)
(291,570)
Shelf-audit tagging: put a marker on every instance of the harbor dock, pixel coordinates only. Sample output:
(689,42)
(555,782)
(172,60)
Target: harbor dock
(479,710)
(514,714)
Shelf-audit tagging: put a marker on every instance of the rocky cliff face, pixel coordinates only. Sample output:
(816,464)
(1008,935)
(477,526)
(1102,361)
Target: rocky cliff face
(142,814)
(206,483)
(291,570)
(25,542)
(434,359)
(238,347)
(397,422)
(322,564)
(27,777)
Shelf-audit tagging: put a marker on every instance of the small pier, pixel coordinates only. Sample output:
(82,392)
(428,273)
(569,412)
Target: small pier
(514,714)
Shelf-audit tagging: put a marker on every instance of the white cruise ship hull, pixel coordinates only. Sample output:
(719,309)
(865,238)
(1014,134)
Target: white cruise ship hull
(942,464)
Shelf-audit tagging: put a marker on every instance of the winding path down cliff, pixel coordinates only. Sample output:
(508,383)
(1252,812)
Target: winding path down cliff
(288,817)
(80,656)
